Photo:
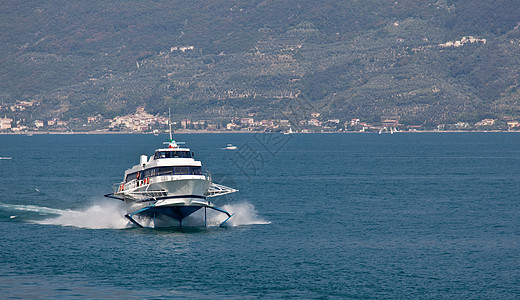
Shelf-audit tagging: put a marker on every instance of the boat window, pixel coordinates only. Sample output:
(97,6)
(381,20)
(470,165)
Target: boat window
(164,170)
(175,171)
(131,176)
(172,154)
(182,171)
(196,170)
(158,171)
(160,154)
(179,154)
(150,172)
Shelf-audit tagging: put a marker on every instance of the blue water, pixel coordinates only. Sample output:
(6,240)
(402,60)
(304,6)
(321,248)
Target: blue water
(317,216)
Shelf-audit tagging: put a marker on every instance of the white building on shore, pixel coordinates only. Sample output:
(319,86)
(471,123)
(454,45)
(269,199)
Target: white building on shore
(5,123)
(140,121)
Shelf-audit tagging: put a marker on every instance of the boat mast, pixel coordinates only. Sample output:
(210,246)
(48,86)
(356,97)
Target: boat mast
(170,123)
(171,143)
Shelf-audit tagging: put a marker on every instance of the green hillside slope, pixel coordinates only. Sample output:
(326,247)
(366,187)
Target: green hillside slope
(420,61)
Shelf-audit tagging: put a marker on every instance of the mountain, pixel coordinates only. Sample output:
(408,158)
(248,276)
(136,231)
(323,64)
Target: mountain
(419,61)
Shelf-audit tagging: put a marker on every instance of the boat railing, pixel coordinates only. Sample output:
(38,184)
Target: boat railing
(146,193)
(218,190)
(117,187)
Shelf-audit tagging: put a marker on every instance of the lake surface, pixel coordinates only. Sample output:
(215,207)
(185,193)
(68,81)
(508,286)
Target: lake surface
(425,215)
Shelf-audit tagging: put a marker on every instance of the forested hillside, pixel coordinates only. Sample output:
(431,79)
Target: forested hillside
(419,61)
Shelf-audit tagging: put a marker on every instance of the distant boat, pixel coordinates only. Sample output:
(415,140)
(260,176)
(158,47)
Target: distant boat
(289,132)
(5,157)
(230,147)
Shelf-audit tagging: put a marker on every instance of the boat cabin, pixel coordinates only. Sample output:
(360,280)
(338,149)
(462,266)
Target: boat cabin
(159,171)
(164,162)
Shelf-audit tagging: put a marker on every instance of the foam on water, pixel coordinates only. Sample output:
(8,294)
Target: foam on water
(110,215)
(244,214)
(100,215)
(34,208)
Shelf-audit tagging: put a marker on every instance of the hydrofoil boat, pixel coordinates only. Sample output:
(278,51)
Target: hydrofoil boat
(161,191)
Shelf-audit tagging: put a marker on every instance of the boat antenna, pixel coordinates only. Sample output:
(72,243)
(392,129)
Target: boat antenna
(170,123)
(171,143)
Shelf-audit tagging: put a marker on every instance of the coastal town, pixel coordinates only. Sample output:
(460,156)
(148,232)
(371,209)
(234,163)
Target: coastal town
(143,122)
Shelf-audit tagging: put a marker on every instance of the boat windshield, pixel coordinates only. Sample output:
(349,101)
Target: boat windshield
(172,154)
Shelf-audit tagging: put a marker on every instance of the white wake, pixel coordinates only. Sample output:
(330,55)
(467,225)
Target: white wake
(33,208)
(111,215)
(101,215)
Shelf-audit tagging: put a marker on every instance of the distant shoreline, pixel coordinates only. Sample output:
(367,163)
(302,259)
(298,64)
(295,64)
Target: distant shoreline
(236,132)
(111,132)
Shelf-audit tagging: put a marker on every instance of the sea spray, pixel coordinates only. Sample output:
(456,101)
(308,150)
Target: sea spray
(244,213)
(101,215)
(110,215)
